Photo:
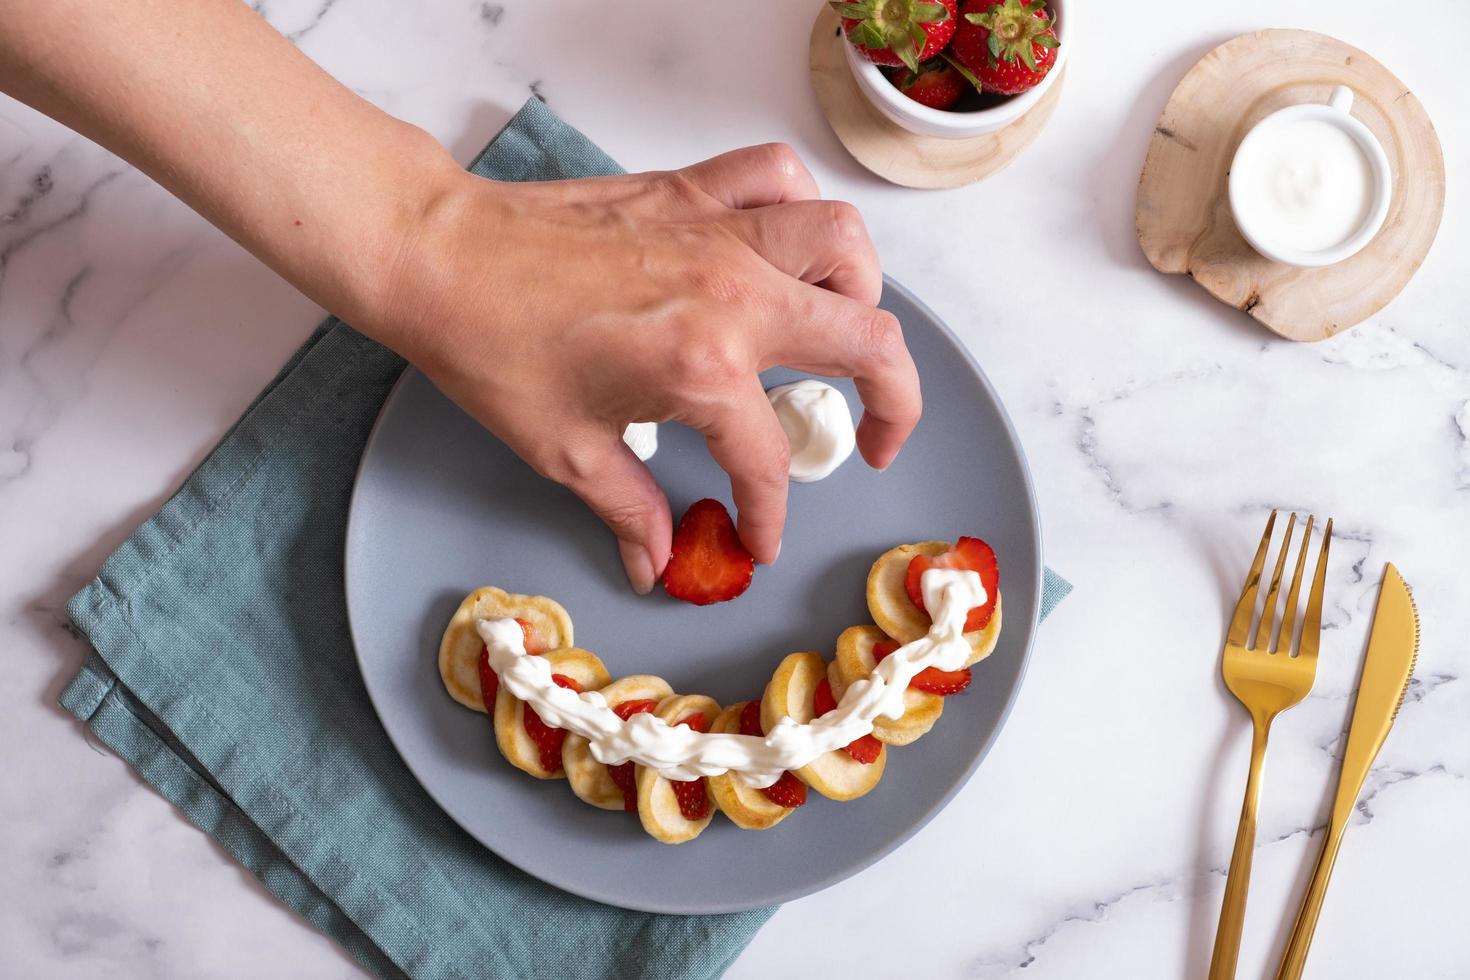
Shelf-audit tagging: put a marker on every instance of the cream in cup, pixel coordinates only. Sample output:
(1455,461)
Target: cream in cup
(1309,184)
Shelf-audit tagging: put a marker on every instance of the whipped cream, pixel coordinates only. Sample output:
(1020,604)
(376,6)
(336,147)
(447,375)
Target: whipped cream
(682,753)
(818,425)
(642,438)
(1305,184)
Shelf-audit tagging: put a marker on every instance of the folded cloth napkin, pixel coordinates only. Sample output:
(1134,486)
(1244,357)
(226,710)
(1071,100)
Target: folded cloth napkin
(222,671)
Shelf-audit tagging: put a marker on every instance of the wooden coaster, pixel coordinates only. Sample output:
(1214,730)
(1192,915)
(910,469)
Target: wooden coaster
(1183,212)
(894,153)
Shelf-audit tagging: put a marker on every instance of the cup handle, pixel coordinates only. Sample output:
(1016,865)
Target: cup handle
(1341,99)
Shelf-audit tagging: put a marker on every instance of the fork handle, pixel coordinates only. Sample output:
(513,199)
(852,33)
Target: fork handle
(1232,909)
(1295,957)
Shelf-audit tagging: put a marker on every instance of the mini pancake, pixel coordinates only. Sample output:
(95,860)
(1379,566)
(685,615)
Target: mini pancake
(459,650)
(855,661)
(790,693)
(896,614)
(746,806)
(658,807)
(515,744)
(589,778)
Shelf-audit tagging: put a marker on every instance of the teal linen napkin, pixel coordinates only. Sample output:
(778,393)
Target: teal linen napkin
(222,671)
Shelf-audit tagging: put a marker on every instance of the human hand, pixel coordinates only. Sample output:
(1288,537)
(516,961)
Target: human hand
(557,313)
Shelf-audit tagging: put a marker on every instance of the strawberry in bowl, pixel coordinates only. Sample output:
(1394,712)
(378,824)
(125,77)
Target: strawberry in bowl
(898,32)
(975,73)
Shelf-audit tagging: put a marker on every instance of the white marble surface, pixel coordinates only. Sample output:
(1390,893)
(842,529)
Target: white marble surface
(1160,427)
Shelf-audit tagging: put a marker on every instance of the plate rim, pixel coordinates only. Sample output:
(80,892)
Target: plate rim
(714,906)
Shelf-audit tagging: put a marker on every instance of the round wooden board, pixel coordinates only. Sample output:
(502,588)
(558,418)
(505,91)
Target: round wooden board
(1183,212)
(894,153)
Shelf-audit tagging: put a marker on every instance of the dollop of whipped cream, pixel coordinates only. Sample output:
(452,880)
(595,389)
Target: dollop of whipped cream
(682,753)
(818,425)
(642,438)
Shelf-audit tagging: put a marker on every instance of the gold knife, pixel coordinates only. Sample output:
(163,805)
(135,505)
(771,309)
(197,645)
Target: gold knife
(1393,647)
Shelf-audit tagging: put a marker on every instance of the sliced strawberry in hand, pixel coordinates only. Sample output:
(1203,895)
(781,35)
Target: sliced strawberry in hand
(864,749)
(548,740)
(970,554)
(788,791)
(707,563)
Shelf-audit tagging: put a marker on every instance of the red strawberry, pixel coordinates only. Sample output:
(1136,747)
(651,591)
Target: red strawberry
(898,32)
(548,740)
(489,681)
(628,709)
(942,682)
(625,779)
(1007,45)
(865,748)
(693,798)
(623,776)
(534,642)
(750,719)
(937,84)
(930,679)
(692,794)
(788,791)
(970,553)
(708,563)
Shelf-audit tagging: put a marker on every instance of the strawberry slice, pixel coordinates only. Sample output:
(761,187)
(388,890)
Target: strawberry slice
(707,563)
(863,749)
(548,740)
(931,680)
(968,553)
(489,681)
(750,719)
(788,791)
(692,794)
(623,776)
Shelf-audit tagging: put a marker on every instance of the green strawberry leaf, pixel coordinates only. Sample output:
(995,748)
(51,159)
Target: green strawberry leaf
(968,75)
(993,42)
(929,13)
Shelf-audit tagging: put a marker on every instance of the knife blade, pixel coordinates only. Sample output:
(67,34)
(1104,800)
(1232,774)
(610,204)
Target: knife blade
(1393,649)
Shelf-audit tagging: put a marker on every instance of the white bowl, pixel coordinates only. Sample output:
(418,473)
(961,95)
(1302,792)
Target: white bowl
(944,123)
(1337,112)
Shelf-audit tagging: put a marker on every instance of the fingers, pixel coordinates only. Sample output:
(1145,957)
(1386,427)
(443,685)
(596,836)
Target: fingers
(833,335)
(749,444)
(824,243)
(612,481)
(754,177)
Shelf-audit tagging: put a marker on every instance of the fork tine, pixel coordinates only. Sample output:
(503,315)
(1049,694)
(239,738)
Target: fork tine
(1312,625)
(1268,612)
(1240,623)
(1288,619)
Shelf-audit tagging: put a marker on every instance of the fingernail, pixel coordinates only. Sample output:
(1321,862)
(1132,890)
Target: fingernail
(638,565)
(778,551)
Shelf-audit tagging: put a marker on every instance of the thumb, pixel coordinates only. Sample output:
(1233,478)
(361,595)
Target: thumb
(615,484)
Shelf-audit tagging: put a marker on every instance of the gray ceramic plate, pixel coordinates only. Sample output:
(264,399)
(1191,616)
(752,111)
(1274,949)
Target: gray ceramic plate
(441,508)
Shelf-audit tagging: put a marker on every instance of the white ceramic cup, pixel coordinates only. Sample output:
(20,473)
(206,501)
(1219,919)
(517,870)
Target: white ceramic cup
(1338,112)
(904,111)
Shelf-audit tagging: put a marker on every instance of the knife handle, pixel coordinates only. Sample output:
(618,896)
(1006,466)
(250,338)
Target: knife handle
(1295,957)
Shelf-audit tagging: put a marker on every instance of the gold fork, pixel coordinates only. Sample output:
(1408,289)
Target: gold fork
(1267,682)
